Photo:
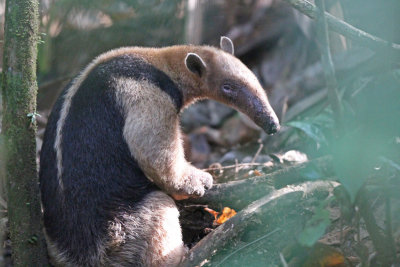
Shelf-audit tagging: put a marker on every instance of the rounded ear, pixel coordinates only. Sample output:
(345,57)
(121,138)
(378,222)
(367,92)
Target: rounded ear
(226,45)
(195,64)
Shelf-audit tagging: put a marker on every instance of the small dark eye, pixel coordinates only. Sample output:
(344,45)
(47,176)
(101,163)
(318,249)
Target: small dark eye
(227,88)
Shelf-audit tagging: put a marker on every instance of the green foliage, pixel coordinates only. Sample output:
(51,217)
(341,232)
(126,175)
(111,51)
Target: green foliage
(311,130)
(311,173)
(93,27)
(366,143)
(317,127)
(370,130)
(316,226)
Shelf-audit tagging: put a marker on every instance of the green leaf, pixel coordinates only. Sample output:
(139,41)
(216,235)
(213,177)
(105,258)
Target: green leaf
(310,173)
(310,235)
(311,130)
(316,226)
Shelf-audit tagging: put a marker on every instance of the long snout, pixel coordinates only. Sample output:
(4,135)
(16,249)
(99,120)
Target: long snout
(260,111)
(265,117)
(268,122)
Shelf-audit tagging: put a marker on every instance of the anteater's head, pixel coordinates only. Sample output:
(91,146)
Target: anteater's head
(225,78)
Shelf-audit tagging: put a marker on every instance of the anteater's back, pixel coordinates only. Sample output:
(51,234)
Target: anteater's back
(98,176)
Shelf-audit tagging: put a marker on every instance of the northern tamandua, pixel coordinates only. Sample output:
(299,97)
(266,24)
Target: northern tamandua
(112,152)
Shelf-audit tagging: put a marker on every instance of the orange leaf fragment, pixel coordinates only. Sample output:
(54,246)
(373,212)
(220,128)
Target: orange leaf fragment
(323,255)
(333,260)
(257,173)
(213,212)
(227,213)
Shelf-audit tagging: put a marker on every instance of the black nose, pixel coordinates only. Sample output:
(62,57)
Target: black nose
(273,128)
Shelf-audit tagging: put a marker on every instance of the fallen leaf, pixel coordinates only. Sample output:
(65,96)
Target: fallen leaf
(227,213)
(257,173)
(322,255)
(334,259)
(213,212)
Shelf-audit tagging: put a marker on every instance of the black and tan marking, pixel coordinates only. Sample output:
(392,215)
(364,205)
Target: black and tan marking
(113,141)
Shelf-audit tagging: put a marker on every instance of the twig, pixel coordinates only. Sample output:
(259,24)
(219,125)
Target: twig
(239,165)
(257,153)
(195,206)
(390,162)
(236,166)
(3,203)
(283,261)
(238,194)
(327,64)
(344,28)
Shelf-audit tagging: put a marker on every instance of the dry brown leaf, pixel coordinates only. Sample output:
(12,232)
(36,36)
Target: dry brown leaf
(333,237)
(213,212)
(332,260)
(322,255)
(227,213)
(257,173)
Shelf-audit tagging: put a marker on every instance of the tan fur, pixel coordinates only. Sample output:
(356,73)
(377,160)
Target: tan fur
(152,233)
(146,125)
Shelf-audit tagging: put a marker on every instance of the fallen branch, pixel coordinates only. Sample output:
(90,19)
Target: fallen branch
(344,28)
(238,194)
(261,212)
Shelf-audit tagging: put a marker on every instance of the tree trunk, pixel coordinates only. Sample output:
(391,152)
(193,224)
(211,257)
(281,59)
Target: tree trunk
(19,129)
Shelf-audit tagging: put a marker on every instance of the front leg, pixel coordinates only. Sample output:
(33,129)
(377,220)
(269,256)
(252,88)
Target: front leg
(154,139)
(195,183)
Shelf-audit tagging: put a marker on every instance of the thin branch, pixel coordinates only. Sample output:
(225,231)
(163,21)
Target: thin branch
(257,153)
(238,194)
(3,203)
(283,261)
(239,166)
(344,28)
(327,63)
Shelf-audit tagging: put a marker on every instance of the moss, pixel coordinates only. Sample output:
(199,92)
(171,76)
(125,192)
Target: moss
(19,98)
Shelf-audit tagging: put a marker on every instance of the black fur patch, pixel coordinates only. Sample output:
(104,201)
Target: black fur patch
(100,177)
